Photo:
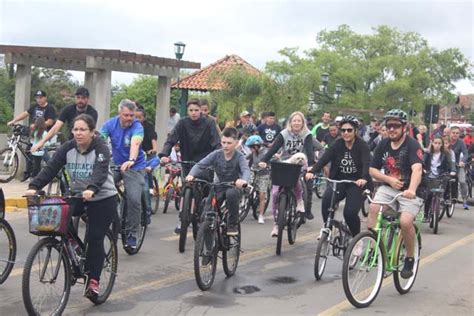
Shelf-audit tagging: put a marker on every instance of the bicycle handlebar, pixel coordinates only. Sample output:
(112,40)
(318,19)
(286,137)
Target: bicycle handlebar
(338,181)
(224,184)
(367,192)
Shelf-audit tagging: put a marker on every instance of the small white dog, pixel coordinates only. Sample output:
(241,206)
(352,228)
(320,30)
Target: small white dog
(299,159)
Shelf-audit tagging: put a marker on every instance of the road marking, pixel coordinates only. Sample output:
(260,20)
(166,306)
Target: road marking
(188,275)
(176,237)
(339,308)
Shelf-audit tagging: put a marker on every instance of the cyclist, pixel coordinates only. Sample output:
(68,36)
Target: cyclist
(86,159)
(350,159)
(322,128)
(197,135)
(461,155)
(268,129)
(126,135)
(401,157)
(295,138)
(262,181)
(229,165)
(437,161)
(68,114)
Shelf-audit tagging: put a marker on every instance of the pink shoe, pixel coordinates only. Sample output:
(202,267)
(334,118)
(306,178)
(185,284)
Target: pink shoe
(275,230)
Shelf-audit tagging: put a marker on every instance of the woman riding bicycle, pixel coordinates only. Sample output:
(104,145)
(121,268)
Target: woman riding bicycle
(295,138)
(86,159)
(349,158)
(436,162)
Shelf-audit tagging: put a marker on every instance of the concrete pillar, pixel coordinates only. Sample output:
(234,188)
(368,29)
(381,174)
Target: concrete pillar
(22,88)
(22,102)
(103,92)
(89,83)
(162,109)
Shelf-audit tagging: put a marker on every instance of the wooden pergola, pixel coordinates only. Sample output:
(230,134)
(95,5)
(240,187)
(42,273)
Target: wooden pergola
(98,65)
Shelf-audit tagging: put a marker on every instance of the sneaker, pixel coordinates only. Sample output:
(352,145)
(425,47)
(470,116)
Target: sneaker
(92,291)
(407,271)
(132,241)
(300,206)
(260,219)
(177,229)
(309,215)
(465,206)
(275,230)
(232,230)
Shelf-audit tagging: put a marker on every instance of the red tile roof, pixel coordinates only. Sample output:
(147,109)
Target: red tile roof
(210,77)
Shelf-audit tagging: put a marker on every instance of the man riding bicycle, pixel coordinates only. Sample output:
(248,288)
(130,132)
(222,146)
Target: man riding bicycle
(401,157)
(461,155)
(349,158)
(126,136)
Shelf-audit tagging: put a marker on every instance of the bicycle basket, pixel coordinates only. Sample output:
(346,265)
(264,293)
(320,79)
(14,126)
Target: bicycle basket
(285,174)
(436,183)
(49,216)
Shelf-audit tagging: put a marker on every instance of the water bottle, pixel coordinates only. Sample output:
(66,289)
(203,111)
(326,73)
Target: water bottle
(34,217)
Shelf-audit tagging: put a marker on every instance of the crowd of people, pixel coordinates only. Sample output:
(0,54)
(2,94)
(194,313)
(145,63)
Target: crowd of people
(390,150)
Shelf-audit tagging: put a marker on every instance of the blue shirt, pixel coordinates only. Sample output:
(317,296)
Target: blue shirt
(121,139)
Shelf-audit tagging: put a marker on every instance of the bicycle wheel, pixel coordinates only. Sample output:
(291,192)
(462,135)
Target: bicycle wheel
(155,201)
(231,253)
(177,199)
(365,207)
(168,197)
(140,234)
(244,205)
(363,269)
(185,218)
(322,252)
(8,165)
(434,219)
(7,250)
(449,209)
(47,278)
(402,285)
(205,257)
(109,270)
(281,220)
(293,220)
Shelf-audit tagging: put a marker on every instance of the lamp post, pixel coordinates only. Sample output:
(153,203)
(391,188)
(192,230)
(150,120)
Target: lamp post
(324,96)
(179,52)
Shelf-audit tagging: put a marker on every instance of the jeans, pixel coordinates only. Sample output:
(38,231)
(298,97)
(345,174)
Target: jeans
(134,182)
(463,184)
(146,195)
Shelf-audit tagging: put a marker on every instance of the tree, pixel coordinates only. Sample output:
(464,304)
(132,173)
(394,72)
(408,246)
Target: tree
(386,69)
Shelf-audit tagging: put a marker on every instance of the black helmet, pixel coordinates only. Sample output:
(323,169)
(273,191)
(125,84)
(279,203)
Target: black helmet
(396,114)
(349,119)
(249,129)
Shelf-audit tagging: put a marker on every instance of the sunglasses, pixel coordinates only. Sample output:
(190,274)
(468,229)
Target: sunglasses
(347,130)
(393,126)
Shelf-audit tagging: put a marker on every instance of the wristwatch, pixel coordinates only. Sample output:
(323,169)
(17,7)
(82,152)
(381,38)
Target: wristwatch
(130,159)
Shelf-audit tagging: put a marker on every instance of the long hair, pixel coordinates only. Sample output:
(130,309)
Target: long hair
(443,149)
(40,127)
(305,129)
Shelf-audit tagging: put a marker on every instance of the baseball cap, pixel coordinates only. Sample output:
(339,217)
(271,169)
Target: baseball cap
(245,113)
(82,91)
(40,93)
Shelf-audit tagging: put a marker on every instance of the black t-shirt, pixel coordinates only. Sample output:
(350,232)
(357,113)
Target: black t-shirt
(35,111)
(148,135)
(269,132)
(321,133)
(329,139)
(69,113)
(397,163)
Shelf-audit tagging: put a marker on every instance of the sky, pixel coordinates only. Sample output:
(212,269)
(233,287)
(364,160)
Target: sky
(255,30)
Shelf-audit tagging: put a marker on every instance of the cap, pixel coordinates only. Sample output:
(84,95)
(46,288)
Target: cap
(40,93)
(245,113)
(82,91)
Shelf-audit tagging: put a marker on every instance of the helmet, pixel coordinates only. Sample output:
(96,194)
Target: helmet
(396,114)
(349,119)
(254,140)
(249,129)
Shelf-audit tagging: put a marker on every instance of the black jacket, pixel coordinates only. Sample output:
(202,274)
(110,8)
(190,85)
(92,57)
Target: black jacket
(197,138)
(447,165)
(335,154)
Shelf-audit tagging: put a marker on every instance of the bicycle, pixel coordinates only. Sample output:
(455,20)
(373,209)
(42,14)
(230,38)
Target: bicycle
(319,185)
(7,243)
(172,190)
(251,198)
(120,221)
(450,202)
(382,253)
(286,176)
(212,238)
(334,236)
(57,261)
(18,141)
(437,188)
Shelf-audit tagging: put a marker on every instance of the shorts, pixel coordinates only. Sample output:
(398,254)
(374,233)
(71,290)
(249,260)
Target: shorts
(262,183)
(386,193)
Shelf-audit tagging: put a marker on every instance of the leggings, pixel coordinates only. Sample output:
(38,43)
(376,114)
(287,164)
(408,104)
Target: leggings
(275,189)
(354,200)
(100,215)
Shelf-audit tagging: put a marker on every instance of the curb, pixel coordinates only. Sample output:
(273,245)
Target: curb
(15,204)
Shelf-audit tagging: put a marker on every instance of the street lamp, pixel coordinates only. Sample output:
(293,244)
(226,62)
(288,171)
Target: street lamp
(179,52)
(324,96)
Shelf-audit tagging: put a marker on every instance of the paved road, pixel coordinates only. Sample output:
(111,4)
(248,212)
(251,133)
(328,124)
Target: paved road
(160,280)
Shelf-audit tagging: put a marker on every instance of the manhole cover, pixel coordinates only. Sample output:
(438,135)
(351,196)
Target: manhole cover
(247,289)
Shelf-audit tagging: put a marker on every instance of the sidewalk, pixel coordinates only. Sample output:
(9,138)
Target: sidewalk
(13,192)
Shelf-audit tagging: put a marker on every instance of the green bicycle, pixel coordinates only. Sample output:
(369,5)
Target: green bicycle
(373,256)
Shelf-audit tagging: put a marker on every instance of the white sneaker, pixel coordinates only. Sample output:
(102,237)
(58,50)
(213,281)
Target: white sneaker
(358,249)
(275,230)
(300,206)
(260,219)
